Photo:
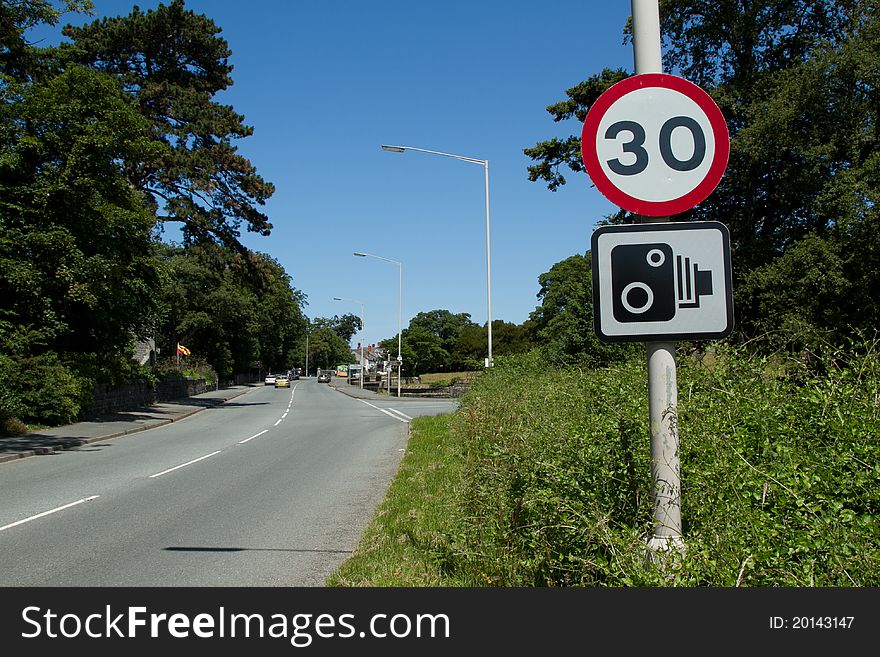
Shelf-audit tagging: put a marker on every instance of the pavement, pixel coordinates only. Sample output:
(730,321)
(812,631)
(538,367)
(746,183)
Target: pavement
(341,384)
(122,423)
(71,436)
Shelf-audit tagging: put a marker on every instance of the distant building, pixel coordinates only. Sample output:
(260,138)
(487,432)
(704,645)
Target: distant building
(145,352)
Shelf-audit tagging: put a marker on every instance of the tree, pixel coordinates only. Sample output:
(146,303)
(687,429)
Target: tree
(17,57)
(345,327)
(509,338)
(795,83)
(172,63)
(471,347)
(563,324)
(422,351)
(77,268)
(327,349)
(217,310)
(444,325)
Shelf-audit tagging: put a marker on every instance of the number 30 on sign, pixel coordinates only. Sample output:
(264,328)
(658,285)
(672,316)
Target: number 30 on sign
(655,144)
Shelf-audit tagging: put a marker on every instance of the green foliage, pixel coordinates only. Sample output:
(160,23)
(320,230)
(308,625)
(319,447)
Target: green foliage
(548,475)
(76,265)
(41,388)
(345,327)
(11,405)
(172,63)
(440,341)
(327,349)
(796,83)
(563,324)
(190,368)
(17,58)
(422,351)
(779,470)
(215,308)
(805,291)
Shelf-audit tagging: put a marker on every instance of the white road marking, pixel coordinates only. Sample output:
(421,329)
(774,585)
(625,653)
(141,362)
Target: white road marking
(400,414)
(183,465)
(256,435)
(399,419)
(46,513)
(292,390)
(277,423)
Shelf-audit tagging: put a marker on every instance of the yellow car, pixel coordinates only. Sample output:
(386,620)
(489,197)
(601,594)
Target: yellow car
(282,381)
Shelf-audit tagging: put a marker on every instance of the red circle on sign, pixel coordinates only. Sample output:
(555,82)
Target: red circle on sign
(643,206)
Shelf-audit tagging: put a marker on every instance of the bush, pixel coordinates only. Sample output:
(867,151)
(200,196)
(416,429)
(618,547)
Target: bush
(41,389)
(190,368)
(10,400)
(779,473)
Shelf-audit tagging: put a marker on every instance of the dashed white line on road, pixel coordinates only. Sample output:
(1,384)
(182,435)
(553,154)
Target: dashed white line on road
(277,423)
(256,435)
(183,465)
(46,513)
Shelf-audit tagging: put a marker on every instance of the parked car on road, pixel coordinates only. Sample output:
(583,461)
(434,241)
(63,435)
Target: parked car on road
(324,377)
(269,380)
(281,381)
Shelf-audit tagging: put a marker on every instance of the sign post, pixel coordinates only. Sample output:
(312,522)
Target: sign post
(657,145)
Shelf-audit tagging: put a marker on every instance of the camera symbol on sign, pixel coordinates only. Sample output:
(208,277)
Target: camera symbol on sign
(649,283)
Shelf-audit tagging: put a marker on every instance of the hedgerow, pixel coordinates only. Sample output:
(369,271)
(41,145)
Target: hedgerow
(780,462)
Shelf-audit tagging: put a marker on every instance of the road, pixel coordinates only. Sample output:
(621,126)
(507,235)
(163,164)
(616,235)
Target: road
(273,488)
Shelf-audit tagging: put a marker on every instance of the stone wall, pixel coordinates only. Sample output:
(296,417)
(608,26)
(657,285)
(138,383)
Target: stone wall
(179,388)
(137,394)
(134,394)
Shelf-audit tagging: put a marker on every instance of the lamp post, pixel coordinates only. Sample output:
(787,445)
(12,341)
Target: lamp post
(485,164)
(399,308)
(308,325)
(362,337)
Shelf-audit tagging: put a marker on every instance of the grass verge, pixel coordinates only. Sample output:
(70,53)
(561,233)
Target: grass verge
(400,547)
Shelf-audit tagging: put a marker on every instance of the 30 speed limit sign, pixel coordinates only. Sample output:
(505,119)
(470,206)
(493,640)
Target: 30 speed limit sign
(655,144)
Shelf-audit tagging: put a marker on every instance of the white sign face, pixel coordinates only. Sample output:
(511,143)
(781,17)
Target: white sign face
(655,144)
(662,282)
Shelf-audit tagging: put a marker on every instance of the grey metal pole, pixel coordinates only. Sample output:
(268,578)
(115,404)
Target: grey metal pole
(647,53)
(488,269)
(662,377)
(399,313)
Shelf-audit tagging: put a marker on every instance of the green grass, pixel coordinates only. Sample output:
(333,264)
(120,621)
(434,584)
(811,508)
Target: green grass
(399,548)
(448,377)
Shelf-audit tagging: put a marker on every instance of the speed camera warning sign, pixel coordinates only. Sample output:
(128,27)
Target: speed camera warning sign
(662,282)
(655,144)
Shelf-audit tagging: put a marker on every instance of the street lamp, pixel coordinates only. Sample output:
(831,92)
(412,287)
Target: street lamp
(362,337)
(485,163)
(399,309)
(308,326)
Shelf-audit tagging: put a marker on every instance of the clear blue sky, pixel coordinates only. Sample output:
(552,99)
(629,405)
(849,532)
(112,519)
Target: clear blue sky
(324,84)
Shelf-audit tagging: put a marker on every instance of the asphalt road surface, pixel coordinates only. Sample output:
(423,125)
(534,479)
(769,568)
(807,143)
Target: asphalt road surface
(273,488)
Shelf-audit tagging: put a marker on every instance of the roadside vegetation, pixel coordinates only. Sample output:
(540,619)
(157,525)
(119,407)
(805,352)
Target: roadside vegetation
(547,463)
(103,145)
(543,478)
